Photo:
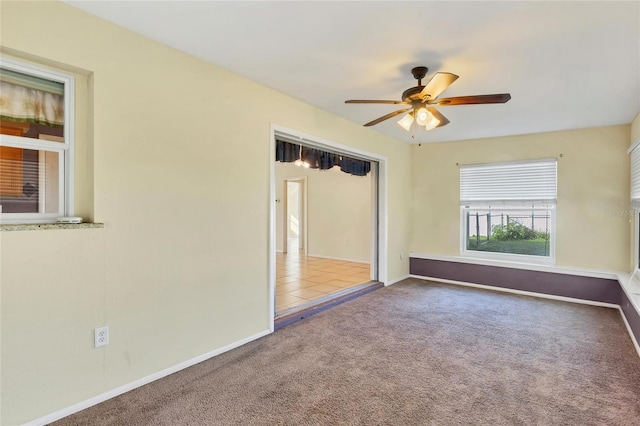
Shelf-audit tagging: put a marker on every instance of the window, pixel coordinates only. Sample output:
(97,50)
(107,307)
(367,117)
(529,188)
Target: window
(508,210)
(36,143)
(637,240)
(635,197)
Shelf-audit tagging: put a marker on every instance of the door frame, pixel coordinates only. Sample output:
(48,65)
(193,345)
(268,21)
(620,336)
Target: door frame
(303,209)
(379,261)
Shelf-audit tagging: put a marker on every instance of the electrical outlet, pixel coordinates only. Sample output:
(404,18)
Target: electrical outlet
(346,241)
(401,255)
(101,336)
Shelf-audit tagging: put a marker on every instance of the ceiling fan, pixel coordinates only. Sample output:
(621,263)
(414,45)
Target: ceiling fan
(420,98)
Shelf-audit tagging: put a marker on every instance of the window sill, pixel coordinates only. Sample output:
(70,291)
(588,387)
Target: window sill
(519,265)
(508,257)
(46,226)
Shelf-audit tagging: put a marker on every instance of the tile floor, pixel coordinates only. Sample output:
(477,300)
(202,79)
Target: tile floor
(300,278)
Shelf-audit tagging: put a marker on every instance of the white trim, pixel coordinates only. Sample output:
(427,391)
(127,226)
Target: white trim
(397,280)
(49,418)
(508,257)
(374,225)
(633,337)
(21,218)
(66,165)
(272,229)
(344,259)
(543,296)
(630,284)
(519,265)
(636,240)
(32,143)
(383,221)
(633,146)
(69,139)
(520,292)
(34,69)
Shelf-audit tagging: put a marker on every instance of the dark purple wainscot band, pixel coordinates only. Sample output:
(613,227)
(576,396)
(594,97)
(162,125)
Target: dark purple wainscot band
(604,290)
(632,316)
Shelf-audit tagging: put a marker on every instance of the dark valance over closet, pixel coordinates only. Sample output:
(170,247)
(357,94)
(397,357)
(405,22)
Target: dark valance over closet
(288,152)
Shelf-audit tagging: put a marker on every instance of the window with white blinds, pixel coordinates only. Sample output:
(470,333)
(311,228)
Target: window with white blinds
(635,199)
(508,210)
(531,181)
(635,177)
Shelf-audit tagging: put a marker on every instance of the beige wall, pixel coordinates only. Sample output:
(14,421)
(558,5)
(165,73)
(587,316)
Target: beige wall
(593,192)
(181,267)
(339,208)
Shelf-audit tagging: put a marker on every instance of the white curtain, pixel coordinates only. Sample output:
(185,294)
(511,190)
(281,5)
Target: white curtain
(24,104)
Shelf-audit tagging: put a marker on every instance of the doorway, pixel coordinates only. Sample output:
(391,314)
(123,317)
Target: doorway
(294,229)
(297,259)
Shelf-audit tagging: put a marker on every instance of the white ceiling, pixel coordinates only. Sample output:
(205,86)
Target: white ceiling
(567,65)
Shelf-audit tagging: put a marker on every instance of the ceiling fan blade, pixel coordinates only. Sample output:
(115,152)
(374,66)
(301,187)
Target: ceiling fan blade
(442,118)
(438,83)
(473,100)
(373,101)
(386,117)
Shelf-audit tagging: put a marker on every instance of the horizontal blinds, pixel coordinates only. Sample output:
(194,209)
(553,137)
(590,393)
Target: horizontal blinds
(31,81)
(635,177)
(522,181)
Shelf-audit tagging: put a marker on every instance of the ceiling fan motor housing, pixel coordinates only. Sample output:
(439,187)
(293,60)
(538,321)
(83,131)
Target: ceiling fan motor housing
(412,94)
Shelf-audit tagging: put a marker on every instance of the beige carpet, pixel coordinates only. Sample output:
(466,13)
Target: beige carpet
(415,353)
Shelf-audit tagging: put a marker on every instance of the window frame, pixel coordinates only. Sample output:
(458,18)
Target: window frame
(636,242)
(65,150)
(509,257)
(480,201)
(634,195)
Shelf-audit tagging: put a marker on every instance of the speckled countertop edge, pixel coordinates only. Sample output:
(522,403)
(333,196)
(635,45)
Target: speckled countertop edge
(45,226)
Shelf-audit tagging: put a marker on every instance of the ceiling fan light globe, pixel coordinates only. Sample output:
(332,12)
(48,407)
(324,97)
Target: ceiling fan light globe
(432,123)
(406,122)
(422,116)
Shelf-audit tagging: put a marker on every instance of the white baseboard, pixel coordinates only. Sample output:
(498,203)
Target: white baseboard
(397,280)
(633,337)
(344,259)
(49,418)
(543,296)
(524,293)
